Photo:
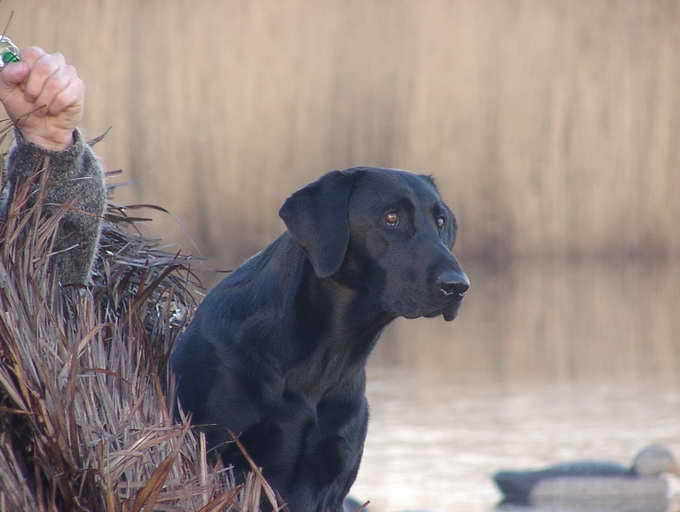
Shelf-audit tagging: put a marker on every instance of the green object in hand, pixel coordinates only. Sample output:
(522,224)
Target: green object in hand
(8,51)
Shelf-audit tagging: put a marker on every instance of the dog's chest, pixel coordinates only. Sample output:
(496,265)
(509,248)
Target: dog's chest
(323,371)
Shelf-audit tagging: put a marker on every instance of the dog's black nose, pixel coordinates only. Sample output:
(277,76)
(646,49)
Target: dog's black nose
(452,282)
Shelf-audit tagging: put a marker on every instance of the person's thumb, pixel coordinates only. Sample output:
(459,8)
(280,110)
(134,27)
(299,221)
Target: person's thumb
(11,76)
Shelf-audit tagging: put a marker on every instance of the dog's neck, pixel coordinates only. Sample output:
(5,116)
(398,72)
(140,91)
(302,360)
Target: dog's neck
(340,311)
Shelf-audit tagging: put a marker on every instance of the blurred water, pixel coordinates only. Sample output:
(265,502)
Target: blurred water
(545,363)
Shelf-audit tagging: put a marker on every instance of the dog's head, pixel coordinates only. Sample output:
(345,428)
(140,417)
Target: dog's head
(384,231)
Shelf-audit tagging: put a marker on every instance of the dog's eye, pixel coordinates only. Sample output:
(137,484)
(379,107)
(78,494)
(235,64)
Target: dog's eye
(440,222)
(391,218)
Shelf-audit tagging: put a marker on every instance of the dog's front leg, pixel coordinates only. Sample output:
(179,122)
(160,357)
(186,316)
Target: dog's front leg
(337,453)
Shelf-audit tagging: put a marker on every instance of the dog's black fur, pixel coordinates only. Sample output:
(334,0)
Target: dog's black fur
(276,351)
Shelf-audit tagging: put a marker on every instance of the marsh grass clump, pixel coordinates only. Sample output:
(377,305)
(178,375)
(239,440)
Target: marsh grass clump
(85,415)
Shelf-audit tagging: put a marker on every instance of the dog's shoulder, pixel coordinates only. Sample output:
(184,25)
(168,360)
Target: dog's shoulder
(241,310)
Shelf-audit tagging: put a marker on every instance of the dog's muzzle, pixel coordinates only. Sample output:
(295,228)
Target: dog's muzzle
(453,285)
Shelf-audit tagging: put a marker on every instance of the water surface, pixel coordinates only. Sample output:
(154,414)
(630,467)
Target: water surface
(544,363)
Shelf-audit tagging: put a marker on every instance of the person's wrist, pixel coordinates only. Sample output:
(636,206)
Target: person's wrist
(56,140)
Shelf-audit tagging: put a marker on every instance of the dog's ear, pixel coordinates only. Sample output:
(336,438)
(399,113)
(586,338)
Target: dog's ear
(317,218)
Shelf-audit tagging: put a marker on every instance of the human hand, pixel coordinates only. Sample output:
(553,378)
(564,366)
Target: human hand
(44,97)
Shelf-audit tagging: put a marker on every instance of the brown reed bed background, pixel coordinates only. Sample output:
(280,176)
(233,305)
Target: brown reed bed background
(552,125)
(85,396)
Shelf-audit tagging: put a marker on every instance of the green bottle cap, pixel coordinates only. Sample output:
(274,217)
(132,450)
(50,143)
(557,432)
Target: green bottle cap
(10,56)
(8,52)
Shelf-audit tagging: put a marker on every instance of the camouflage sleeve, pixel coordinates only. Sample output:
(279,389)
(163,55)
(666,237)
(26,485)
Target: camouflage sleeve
(75,179)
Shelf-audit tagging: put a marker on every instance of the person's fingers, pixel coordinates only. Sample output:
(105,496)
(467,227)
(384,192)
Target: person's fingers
(41,70)
(31,54)
(15,73)
(72,94)
(56,83)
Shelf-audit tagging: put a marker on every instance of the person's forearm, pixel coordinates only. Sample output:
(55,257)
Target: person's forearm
(75,179)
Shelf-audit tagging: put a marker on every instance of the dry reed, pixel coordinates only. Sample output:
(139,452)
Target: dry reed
(551,125)
(85,420)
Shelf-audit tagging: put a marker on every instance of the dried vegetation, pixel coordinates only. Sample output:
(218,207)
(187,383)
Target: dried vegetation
(85,420)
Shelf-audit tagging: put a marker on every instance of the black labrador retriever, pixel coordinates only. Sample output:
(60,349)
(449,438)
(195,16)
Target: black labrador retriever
(277,350)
